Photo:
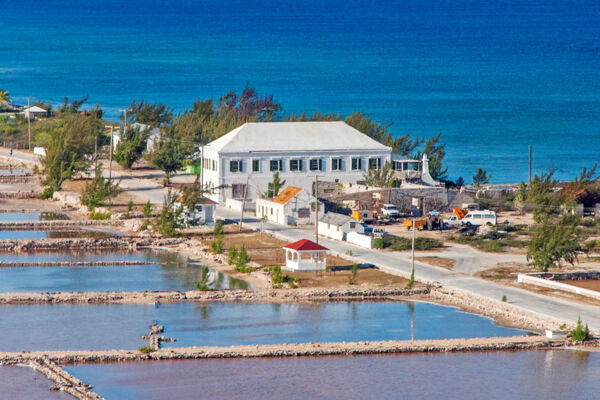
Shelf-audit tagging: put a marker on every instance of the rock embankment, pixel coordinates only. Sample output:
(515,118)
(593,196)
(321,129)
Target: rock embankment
(63,380)
(10,264)
(292,350)
(52,225)
(257,296)
(503,313)
(83,244)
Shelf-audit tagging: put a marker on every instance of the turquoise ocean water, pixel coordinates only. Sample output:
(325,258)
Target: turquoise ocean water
(492,77)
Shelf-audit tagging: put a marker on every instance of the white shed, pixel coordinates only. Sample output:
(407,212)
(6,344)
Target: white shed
(336,226)
(204,214)
(305,255)
(33,112)
(291,206)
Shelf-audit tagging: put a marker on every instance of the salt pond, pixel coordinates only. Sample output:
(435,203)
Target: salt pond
(165,271)
(119,326)
(557,374)
(31,216)
(25,383)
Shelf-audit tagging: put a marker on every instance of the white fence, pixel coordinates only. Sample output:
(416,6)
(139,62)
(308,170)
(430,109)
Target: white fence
(360,239)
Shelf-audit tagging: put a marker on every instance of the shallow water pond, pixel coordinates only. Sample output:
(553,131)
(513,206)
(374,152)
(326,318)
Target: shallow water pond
(557,374)
(110,326)
(30,216)
(24,383)
(165,271)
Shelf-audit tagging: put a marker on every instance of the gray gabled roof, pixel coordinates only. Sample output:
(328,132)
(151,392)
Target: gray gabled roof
(294,136)
(336,219)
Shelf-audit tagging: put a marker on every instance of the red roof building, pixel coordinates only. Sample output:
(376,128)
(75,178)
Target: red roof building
(305,255)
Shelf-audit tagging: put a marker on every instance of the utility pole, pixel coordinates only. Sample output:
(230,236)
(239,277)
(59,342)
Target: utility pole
(96,155)
(202,167)
(317,209)
(414,227)
(29,122)
(530,151)
(244,201)
(110,152)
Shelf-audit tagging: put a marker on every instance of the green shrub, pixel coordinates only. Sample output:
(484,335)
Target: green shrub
(146,349)
(580,333)
(353,273)
(99,216)
(504,298)
(421,243)
(232,255)
(218,230)
(348,252)
(277,278)
(47,193)
(242,260)
(203,284)
(411,281)
(145,225)
(378,243)
(96,191)
(147,210)
(216,247)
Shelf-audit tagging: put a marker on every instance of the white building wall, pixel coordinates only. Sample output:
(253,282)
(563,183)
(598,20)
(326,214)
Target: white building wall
(259,180)
(360,239)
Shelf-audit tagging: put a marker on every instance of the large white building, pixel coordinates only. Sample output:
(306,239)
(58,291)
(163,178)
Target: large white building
(334,151)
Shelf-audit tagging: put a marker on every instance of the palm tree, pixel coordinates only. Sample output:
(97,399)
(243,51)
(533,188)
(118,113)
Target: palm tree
(4,97)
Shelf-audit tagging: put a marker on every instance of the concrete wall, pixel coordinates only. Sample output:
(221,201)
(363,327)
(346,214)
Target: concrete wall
(360,240)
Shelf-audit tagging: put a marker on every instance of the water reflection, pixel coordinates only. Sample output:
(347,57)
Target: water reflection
(167,271)
(225,324)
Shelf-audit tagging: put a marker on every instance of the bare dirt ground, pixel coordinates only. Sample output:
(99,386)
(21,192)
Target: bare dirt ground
(586,284)
(506,274)
(446,263)
(267,251)
(23,205)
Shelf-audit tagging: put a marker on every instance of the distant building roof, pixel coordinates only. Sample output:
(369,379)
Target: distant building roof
(286,195)
(335,219)
(305,245)
(142,127)
(35,109)
(294,136)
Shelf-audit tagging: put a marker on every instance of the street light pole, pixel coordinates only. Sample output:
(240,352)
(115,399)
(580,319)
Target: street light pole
(414,227)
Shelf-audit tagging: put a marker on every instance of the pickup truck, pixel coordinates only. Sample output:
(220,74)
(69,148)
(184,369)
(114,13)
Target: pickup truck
(390,210)
(452,221)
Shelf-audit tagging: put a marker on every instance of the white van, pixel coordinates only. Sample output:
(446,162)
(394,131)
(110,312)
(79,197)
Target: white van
(485,217)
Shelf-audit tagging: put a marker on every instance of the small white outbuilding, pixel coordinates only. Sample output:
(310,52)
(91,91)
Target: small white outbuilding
(305,255)
(291,206)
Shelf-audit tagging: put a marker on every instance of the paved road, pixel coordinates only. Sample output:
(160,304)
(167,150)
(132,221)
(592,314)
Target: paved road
(468,260)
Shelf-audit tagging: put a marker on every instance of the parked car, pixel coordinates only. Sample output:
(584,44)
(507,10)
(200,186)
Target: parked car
(390,210)
(452,221)
(485,217)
